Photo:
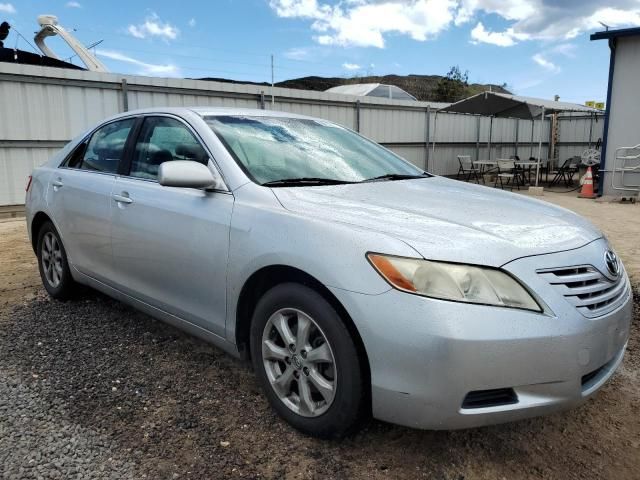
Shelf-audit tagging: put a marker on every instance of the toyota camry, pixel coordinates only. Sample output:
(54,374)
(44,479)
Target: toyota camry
(354,282)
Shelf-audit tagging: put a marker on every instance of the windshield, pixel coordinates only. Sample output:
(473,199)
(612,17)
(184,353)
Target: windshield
(271,149)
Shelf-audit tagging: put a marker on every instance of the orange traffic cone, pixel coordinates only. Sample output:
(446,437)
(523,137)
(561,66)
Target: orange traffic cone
(587,186)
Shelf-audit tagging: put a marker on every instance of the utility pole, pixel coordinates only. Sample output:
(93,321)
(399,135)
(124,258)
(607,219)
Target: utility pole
(272,99)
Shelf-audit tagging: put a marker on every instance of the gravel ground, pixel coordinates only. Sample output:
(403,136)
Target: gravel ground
(38,440)
(94,389)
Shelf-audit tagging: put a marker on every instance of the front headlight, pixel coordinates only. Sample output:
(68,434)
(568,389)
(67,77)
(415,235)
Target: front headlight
(452,281)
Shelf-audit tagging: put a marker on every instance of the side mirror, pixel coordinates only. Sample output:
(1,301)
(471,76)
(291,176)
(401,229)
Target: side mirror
(185,173)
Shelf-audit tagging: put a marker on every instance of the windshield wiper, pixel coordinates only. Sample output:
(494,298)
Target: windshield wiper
(292,182)
(395,176)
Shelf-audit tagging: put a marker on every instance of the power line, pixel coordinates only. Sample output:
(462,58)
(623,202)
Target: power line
(88,47)
(207,48)
(261,68)
(24,38)
(278,66)
(212,71)
(214,59)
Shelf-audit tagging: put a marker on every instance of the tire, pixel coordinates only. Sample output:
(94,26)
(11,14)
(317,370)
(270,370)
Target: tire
(321,412)
(55,274)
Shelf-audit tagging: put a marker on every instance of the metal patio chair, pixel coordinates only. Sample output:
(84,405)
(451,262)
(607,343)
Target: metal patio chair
(507,170)
(545,166)
(467,168)
(566,171)
(520,170)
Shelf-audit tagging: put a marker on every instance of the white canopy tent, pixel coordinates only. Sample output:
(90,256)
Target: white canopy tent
(379,90)
(495,104)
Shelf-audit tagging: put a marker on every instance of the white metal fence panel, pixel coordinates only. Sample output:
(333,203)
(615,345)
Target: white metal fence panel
(393,125)
(43,108)
(415,155)
(444,160)
(451,135)
(16,165)
(503,131)
(454,128)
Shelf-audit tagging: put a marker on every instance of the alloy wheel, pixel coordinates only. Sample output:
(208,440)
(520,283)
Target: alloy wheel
(299,362)
(52,259)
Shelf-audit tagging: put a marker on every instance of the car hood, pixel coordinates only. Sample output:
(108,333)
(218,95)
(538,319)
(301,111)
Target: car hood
(446,219)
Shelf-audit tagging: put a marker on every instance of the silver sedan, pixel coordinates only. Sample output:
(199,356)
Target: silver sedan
(354,282)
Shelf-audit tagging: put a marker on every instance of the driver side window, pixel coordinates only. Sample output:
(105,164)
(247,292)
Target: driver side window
(163,139)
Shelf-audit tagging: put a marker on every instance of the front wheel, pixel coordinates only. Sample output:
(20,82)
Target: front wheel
(307,362)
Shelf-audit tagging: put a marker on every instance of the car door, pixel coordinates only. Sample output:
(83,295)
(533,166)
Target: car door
(171,244)
(79,197)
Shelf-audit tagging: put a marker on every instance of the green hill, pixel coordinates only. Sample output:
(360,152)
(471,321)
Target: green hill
(423,87)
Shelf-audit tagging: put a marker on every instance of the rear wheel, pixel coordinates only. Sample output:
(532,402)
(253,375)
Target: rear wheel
(53,264)
(306,361)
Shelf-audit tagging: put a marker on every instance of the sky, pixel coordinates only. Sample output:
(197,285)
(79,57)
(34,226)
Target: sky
(539,48)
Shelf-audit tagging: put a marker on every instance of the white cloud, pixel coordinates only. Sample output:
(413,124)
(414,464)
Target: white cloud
(364,23)
(545,63)
(298,8)
(367,23)
(7,8)
(136,32)
(502,39)
(553,20)
(351,66)
(73,5)
(154,27)
(167,70)
(507,9)
(192,22)
(529,83)
(297,53)
(565,49)
(547,57)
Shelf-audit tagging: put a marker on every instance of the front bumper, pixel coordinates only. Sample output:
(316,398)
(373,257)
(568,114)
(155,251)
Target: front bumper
(427,355)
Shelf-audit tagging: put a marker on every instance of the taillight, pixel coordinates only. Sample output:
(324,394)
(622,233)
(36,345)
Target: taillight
(28,183)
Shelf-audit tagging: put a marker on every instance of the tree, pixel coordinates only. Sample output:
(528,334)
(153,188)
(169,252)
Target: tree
(453,87)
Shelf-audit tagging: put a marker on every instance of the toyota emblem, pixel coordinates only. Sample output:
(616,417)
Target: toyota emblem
(611,260)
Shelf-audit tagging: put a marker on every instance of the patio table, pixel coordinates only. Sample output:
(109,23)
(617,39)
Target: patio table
(483,164)
(533,163)
(524,164)
(528,166)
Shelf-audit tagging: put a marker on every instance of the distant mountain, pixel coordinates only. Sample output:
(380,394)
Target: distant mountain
(423,87)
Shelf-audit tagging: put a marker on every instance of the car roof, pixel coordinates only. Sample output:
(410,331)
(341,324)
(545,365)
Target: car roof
(213,111)
(254,112)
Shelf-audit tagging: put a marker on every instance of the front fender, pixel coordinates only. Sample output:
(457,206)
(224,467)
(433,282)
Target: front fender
(263,233)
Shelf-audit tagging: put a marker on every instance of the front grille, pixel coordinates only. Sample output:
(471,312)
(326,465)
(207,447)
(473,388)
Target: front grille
(585,287)
(490,398)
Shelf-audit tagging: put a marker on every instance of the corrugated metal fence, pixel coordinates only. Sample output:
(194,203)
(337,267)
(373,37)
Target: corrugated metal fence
(43,108)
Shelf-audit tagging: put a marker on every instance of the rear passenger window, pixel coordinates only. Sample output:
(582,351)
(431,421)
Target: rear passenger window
(163,139)
(74,160)
(104,150)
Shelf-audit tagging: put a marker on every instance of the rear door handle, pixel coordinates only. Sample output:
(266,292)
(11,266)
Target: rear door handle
(57,184)
(122,198)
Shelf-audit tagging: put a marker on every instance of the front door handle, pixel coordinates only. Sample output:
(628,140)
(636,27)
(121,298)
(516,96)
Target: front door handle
(122,198)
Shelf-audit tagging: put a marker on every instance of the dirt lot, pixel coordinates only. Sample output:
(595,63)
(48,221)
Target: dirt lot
(93,389)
